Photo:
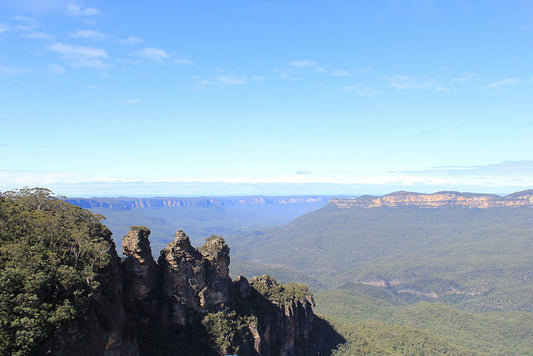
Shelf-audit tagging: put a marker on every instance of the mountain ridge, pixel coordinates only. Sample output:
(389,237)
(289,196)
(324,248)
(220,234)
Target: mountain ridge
(438,199)
(174,202)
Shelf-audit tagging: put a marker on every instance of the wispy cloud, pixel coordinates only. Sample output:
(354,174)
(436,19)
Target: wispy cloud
(153,54)
(505,83)
(130,101)
(76,10)
(56,68)
(26,23)
(231,79)
(11,71)
(88,35)
(80,56)
(221,80)
(202,83)
(303,63)
(315,67)
(37,35)
(27,27)
(183,61)
(464,78)
(512,173)
(3,28)
(132,40)
(340,73)
(361,90)
(405,82)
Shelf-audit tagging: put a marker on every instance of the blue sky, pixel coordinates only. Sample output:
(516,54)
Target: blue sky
(266,97)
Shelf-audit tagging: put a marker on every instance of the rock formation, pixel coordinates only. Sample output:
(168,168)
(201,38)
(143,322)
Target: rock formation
(187,304)
(139,266)
(436,200)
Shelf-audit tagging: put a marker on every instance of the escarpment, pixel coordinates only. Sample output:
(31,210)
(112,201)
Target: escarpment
(436,200)
(187,304)
(65,291)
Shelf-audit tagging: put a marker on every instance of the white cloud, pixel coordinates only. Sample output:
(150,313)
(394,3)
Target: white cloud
(183,61)
(340,73)
(465,77)
(203,83)
(231,79)
(404,82)
(153,54)
(80,56)
(76,10)
(11,71)
(361,89)
(3,28)
(132,40)
(315,67)
(505,83)
(88,35)
(25,23)
(303,63)
(507,173)
(56,68)
(36,35)
(130,101)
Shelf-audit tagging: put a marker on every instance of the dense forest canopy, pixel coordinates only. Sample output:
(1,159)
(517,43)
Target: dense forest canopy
(51,253)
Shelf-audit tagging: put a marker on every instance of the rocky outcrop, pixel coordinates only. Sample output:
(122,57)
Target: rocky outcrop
(287,323)
(195,282)
(141,272)
(187,304)
(436,200)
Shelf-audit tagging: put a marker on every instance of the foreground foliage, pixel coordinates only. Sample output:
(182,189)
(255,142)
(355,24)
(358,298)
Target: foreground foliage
(50,256)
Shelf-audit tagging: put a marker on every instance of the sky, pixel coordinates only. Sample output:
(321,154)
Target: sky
(118,98)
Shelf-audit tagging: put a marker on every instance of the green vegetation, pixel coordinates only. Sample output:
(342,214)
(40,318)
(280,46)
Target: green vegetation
(226,329)
(460,276)
(214,245)
(280,293)
(378,338)
(476,259)
(51,253)
(495,333)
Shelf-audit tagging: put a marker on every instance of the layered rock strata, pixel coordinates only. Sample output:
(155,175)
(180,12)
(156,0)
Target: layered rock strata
(182,304)
(436,200)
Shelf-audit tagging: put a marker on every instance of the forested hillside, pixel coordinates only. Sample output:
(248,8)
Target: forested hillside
(64,291)
(459,273)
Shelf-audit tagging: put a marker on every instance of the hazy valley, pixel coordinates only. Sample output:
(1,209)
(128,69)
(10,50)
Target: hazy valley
(455,265)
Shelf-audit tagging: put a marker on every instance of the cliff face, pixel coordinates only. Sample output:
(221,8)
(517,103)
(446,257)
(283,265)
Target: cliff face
(187,304)
(172,202)
(440,199)
(103,329)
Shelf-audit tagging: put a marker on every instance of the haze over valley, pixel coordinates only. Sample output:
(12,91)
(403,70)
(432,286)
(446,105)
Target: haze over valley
(279,177)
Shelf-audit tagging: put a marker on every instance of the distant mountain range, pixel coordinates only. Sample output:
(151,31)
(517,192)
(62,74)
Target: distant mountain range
(174,202)
(439,199)
(199,216)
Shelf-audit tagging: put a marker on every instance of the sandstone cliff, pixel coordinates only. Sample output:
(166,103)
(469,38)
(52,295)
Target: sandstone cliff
(436,200)
(187,304)
(173,202)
